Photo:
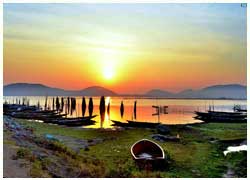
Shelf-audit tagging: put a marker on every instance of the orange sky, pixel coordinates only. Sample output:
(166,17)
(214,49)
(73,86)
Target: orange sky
(143,47)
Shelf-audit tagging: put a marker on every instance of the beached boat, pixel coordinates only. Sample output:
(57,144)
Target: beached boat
(221,120)
(147,153)
(225,113)
(38,116)
(238,108)
(118,123)
(76,121)
(46,111)
(9,108)
(135,124)
(220,116)
(142,124)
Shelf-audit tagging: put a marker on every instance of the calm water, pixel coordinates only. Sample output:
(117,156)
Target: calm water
(180,111)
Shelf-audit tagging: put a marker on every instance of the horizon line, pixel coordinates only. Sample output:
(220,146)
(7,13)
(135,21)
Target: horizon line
(32,83)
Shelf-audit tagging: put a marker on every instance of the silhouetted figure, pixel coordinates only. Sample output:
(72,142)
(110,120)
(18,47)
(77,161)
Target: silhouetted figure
(53,103)
(57,104)
(122,109)
(91,106)
(83,106)
(135,109)
(102,109)
(62,104)
(108,110)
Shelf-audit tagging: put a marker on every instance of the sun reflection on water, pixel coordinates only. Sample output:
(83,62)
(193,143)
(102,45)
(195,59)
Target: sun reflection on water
(180,110)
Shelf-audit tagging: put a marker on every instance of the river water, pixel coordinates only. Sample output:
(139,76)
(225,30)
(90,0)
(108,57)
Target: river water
(179,111)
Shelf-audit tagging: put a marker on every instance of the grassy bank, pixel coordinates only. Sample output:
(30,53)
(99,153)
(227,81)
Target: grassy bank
(196,155)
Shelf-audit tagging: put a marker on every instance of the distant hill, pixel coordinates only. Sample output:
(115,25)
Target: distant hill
(229,91)
(96,91)
(234,91)
(159,93)
(26,89)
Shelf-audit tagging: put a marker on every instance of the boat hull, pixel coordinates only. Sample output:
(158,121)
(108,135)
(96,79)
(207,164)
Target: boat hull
(147,154)
(118,123)
(142,124)
(76,121)
(223,117)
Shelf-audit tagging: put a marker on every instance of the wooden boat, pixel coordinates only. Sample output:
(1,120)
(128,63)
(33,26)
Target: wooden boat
(39,116)
(237,108)
(10,108)
(222,119)
(240,110)
(84,122)
(222,114)
(142,124)
(217,116)
(46,111)
(225,113)
(118,123)
(76,121)
(147,153)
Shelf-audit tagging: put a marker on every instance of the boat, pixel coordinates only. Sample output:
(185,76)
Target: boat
(83,122)
(38,116)
(118,123)
(225,113)
(46,111)
(221,120)
(76,121)
(142,124)
(238,108)
(147,153)
(10,108)
(220,116)
(134,124)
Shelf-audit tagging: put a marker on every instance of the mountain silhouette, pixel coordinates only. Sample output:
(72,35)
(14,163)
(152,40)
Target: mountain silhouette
(26,89)
(228,91)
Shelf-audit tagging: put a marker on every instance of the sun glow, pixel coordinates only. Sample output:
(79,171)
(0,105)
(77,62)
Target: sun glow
(108,72)
(109,64)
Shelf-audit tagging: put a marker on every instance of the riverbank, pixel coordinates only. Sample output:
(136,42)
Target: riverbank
(55,151)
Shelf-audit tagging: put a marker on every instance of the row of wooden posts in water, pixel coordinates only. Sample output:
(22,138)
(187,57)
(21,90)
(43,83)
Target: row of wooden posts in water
(69,104)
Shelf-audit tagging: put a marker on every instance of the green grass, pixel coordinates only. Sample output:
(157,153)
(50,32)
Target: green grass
(23,153)
(42,129)
(238,161)
(36,169)
(193,156)
(224,131)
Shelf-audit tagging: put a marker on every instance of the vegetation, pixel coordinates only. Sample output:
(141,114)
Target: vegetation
(224,131)
(196,155)
(23,153)
(238,162)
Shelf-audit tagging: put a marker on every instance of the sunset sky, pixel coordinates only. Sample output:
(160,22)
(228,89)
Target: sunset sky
(128,48)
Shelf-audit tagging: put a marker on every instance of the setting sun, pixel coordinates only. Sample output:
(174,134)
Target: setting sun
(108,72)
